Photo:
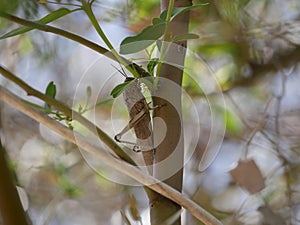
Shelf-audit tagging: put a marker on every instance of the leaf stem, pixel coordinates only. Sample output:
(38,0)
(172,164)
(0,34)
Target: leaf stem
(165,37)
(89,12)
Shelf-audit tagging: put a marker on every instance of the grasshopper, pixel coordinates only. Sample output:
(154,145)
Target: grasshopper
(139,114)
(140,120)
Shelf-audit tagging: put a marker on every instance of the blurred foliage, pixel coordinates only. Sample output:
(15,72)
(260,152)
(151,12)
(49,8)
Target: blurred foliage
(47,19)
(231,11)
(231,119)
(28,8)
(250,47)
(140,10)
(9,6)
(65,183)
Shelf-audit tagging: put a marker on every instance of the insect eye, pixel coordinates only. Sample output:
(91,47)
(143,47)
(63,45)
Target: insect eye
(136,148)
(129,79)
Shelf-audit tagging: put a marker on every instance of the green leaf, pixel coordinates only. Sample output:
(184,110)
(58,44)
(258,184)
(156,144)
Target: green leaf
(156,20)
(184,37)
(151,65)
(51,93)
(120,88)
(178,10)
(47,19)
(143,39)
(51,90)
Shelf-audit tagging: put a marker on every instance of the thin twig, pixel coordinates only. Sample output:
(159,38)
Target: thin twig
(258,128)
(131,66)
(60,32)
(110,160)
(278,98)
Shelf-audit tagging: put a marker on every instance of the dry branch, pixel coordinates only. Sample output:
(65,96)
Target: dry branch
(110,160)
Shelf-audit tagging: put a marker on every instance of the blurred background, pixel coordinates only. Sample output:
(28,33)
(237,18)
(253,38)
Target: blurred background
(242,76)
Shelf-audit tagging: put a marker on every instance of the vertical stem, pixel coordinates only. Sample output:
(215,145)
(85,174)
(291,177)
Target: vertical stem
(169,168)
(165,37)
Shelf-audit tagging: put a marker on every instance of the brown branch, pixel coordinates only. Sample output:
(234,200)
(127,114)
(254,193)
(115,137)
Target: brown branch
(69,113)
(258,71)
(10,204)
(110,160)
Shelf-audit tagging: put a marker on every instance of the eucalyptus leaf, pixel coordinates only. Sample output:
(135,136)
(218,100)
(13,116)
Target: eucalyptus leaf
(51,93)
(120,88)
(47,19)
(143,39)
(156,20)
(151,65)
(51,90)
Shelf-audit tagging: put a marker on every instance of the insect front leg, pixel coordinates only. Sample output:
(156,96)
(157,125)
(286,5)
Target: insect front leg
(156,106)
(136,119)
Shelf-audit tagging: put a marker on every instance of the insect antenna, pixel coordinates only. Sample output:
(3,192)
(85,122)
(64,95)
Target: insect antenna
(122,71)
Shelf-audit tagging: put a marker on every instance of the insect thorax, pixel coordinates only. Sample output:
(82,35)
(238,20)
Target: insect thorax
(133,97)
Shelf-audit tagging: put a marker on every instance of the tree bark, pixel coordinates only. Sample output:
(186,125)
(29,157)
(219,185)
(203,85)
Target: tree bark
(169,154)
(11,208)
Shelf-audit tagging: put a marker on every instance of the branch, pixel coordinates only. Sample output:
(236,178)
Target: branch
(59,32)
(69,113)
(282,61)
(114,162)
(11,207)
(131,66)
